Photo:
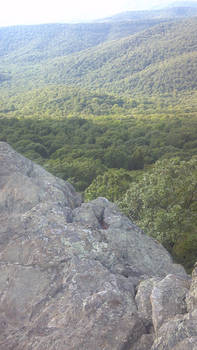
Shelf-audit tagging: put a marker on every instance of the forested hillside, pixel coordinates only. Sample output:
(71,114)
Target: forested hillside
(174,11)
(111,107)
(160,59)
(39,42)
(157,60)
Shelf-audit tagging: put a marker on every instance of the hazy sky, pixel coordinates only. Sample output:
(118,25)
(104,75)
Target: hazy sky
(44,11)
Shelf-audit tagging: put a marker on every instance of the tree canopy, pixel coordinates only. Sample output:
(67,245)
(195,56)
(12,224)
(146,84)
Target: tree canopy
(163,202)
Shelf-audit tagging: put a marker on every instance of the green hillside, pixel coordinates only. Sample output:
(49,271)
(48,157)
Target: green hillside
(135,64)
(171,12)
(35,43)
(110,106)
(160,59)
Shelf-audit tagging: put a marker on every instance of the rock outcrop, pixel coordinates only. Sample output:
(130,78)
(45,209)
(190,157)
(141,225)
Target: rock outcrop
(81,276)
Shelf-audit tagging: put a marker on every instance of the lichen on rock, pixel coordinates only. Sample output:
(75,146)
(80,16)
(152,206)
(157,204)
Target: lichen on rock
(72,273)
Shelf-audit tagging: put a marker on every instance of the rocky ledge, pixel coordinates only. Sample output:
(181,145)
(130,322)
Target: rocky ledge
(81,276)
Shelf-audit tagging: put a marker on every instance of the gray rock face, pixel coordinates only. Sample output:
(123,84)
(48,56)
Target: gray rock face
(70,271)
(179,332)
(168,299)
(192,296)
(143,301)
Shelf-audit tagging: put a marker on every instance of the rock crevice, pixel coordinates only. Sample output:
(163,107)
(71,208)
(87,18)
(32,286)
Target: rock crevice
(81,276)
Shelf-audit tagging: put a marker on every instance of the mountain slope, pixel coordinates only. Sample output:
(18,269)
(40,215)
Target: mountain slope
(159,59)
(170,12)
(39,42)
(136,61)
(183,4)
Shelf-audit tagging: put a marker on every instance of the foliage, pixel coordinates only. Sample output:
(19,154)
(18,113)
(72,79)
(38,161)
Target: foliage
(156,57)
(185,251)
(163,202)
(80,149)
(79,172)
(99,103)
(111,185)
(35,43)
(148,62)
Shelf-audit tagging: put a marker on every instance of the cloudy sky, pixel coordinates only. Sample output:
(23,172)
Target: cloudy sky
(44,11)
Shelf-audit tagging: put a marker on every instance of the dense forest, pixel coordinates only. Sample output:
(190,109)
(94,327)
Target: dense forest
(112,108)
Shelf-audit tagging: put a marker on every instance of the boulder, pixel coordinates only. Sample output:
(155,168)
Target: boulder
(168,299)
(144,343)
(187,343)
(192,296)
(143,301)
(176,333)
(70,271)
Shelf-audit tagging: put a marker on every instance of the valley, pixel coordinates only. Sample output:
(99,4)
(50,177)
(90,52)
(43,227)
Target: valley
(99,104)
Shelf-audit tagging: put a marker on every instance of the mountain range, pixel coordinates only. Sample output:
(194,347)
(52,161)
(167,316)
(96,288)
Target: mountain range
(143,52)
(176,10)
(100,103)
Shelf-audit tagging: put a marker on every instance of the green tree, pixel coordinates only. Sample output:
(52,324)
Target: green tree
(185,250)
(137,160)
(80,172)
(163,202)
(112,185)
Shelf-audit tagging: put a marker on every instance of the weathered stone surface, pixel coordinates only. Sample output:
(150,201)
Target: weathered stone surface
(23,184)
(188,343)
(143,301)
(176,328)
(192,296)
(126,249)
(69,271)
(177,331)
(144,343)
(168,299)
